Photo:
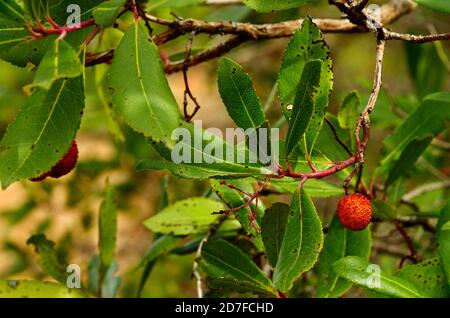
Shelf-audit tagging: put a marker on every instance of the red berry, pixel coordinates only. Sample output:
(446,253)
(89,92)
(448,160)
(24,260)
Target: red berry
(354,211)
(64,166)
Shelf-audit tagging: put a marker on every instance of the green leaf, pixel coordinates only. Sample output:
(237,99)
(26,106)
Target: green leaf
(140,89)
(202,154)
(427,120)
(270,5)
(35,289)
(437,5)
(234,285)
(234,198)
(327,144)
(307,44)
(193,215)
(412,151)
(239,96)
(382,210)
(42,131)
(348,112)
(48,261)
(61,61)
(273,229)
(106,13)
(107,227)
(160,246)
(428,276)
(302,242)
(221,259)
(427,70)
(11,10)
(110,283)
(443,239)
(360,272)
(339,243)
(303,104)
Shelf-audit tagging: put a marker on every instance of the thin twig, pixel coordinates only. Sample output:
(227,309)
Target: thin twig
(198,255)
(425,188)
(187,89)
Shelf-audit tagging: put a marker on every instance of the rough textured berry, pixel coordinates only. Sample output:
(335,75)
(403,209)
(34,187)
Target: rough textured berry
(64,166)
(354,211)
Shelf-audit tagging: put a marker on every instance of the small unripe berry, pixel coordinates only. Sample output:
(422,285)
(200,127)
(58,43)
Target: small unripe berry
(64,166)
(354,211)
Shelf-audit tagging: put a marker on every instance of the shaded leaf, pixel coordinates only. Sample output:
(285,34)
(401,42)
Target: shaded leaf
(273,229)
(221,259)
(234,285)
(307,44)
(302,242)
(438,5)
(303,104)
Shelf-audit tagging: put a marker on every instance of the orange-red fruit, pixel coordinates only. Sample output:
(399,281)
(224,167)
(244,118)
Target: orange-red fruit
(354,212)
(64,166)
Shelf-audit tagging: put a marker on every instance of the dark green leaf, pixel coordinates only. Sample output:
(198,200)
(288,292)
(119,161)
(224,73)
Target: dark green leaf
(360,272)
(106,13)
(339,243)
(42,131)
(302,242)
(382,210)
(303,108)
(273,229)
(239,96)
(427,120)
(412,151)
(221,259)
(307,44)
(11,10)
(234,285)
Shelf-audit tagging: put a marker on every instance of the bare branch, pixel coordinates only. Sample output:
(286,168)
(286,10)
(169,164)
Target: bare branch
(428,187)
(416,38)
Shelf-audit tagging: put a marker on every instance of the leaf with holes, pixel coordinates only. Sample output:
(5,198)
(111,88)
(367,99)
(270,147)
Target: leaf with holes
(302,242)
(307,44)
(193,215)
(239,96)
(303,108)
